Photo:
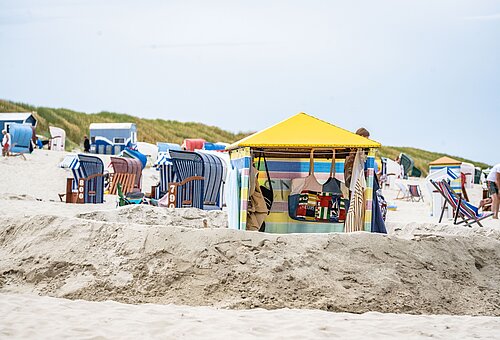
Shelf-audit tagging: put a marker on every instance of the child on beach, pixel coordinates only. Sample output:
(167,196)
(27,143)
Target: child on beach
(493,183)
(5,143)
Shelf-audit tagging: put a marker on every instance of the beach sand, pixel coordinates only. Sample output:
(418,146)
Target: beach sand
(180,265)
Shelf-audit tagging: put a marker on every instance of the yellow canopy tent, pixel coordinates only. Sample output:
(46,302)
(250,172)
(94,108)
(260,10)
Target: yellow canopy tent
(304,131)
(287,145)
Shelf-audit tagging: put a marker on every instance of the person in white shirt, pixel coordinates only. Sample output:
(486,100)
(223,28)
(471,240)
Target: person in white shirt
(493,183)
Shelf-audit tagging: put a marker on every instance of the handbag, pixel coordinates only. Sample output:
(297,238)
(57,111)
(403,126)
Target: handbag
(268,193)
(313,202)
(332,184)
(306,183)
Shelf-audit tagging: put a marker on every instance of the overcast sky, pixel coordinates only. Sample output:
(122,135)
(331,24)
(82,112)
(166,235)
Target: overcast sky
(414,73)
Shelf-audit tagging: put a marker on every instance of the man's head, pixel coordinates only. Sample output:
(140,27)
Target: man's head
(4,132)
(363,132)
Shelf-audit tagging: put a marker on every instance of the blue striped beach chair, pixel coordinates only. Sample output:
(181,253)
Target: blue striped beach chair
(87,184)
(213,174)
(188,172)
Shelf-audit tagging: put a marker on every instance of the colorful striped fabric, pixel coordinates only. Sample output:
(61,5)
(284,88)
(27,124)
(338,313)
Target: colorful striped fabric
(187,164)
(354,219)
(415,193)
(128,166)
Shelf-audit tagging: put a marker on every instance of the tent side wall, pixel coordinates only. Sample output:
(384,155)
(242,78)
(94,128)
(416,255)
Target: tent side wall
(240,160)
(370,174)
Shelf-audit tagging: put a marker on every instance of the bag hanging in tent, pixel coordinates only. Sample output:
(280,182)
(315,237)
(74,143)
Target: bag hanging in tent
(332,184)
(306,183)
(315,202)
(268,193)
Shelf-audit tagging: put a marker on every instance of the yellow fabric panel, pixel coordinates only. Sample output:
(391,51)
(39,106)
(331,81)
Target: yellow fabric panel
(304,131)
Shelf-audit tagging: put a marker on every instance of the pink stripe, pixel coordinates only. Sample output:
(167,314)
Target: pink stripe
(292,175)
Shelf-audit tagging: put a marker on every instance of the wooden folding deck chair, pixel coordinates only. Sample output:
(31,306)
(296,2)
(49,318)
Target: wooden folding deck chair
(468,213)
(415,194)
(403,190)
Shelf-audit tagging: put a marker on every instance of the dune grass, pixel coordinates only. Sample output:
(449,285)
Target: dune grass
(77,124)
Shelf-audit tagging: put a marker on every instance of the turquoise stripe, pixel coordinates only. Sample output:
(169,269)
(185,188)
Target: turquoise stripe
(304,227)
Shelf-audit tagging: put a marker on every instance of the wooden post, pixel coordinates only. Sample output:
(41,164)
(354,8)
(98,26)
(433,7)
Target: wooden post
(69,190)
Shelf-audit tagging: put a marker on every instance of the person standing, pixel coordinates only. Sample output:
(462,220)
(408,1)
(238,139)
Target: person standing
(493,183)
(5,143)
(86,144)
(349,161)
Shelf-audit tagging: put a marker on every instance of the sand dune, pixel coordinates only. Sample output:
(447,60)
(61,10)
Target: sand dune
(99,257)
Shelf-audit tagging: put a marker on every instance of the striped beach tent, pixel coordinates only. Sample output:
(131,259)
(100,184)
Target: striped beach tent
(287,146)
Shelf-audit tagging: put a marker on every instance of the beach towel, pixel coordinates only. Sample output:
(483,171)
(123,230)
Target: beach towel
(355,214)
(257,209)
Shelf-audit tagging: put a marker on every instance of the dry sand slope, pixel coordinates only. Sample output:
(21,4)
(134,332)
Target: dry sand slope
(141,254)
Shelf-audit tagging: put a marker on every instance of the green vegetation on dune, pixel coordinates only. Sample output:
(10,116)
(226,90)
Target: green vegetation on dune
(77,124)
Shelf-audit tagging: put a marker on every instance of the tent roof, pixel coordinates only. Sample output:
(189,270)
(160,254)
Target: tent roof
(304,131)
(445,161)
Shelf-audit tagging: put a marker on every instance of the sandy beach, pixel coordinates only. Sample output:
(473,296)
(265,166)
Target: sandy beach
(181,273)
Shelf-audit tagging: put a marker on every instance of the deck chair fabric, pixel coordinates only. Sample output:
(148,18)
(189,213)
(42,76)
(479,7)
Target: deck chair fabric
(185,165)
(468,213)
(130,166)
(213,176)
(415,193)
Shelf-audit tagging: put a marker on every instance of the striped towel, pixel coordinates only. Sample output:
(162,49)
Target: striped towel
(354,219)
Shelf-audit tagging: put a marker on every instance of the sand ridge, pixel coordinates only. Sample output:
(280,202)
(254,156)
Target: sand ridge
(95,257)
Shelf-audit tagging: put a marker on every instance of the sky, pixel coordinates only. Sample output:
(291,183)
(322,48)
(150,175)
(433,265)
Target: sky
(420,73)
